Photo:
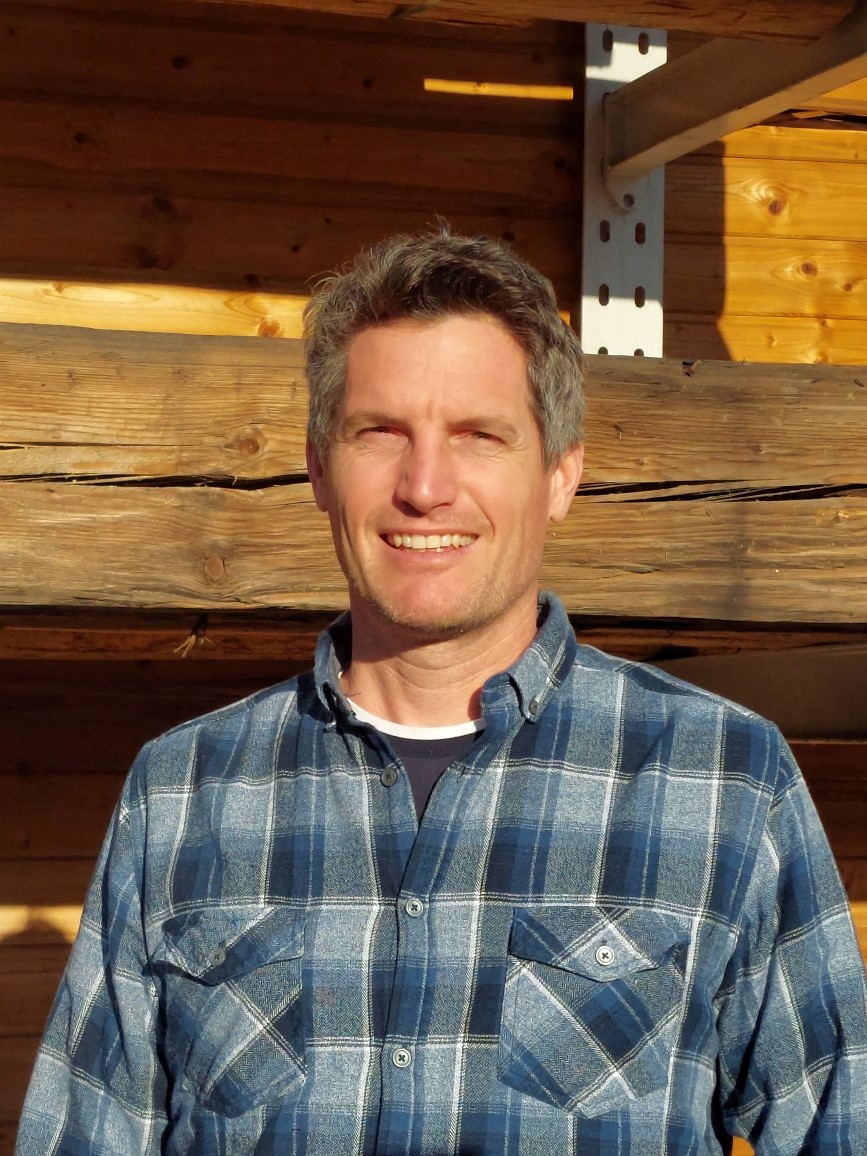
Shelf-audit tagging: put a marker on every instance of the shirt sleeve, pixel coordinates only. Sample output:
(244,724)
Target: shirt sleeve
(793,1008)
(98,1086)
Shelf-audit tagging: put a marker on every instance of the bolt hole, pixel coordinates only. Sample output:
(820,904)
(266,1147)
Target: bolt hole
(604,231)
(644,44)
(628,200)
(640,297)
(604,294)
(640,233)
(608,40)
(603,350)
(639,353)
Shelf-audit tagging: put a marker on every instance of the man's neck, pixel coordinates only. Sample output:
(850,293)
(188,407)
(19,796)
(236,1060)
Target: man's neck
(431,683)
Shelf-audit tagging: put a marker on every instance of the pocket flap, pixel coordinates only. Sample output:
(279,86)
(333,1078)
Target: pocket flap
(214,945)
(602,943)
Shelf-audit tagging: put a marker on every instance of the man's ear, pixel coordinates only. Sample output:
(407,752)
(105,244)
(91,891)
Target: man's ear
(565,476)
(316,473)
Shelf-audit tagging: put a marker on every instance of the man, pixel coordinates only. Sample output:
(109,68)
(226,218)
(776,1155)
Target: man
(467,887)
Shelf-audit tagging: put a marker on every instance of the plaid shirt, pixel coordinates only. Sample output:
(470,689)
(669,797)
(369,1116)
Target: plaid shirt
(618,929)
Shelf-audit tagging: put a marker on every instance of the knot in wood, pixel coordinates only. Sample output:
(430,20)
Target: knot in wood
(249,447)
(215,568)
(268,327)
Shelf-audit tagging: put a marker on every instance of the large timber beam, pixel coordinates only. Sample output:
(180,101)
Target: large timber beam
(793,20)
(724,86)
(149,470)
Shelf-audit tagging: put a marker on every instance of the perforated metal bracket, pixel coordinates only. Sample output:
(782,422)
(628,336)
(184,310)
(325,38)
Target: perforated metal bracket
(621,304)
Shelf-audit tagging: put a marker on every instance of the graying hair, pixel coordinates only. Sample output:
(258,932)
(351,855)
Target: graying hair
(432,275)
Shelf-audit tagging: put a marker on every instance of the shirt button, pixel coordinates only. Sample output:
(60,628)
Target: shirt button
(413,907)
(218,956)
(401,1058)
(388,777)
(604,956)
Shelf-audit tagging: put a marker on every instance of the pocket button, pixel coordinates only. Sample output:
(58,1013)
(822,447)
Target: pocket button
(218,956)
(604,955)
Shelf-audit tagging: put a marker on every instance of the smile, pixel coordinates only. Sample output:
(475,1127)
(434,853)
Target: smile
(429,541)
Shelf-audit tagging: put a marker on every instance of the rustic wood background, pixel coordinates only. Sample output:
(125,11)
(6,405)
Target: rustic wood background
(185,169)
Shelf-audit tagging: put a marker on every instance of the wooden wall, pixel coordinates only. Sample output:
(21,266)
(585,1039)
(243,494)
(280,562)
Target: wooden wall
(190,174)
(766,241)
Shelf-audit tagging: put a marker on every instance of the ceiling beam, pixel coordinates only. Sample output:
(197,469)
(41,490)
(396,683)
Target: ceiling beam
(787,20)
(724,86)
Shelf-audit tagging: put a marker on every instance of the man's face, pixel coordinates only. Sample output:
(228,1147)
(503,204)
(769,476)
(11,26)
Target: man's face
(434,482)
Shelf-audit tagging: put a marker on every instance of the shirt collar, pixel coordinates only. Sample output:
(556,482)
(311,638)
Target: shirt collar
(532,679)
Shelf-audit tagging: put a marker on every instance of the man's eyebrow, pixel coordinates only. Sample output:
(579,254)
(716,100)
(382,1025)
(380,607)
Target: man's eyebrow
(366,417)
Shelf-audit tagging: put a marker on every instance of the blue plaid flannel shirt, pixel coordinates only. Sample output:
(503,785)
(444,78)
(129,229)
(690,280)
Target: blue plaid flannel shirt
(618,930)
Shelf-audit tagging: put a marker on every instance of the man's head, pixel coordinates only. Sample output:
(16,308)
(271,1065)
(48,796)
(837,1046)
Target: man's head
(435,275)
(444,436)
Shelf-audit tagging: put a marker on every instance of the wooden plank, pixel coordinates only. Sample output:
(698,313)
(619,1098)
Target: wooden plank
(202,548)
(79,636)
(25,1001)
(805,141)
(81,404)
(324,68)
(40,899)
(850,100)
(201,237)
(130,306)
(771,19)
(764,276)
(61,816)
(131,146)
(63,724)
(775,198)
(809,340)
(82,635)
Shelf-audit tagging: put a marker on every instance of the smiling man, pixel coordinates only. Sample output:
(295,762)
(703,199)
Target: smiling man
(466,888)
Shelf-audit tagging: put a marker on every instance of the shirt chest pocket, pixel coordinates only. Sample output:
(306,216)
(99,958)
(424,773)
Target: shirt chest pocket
(592,1004)
(232,994)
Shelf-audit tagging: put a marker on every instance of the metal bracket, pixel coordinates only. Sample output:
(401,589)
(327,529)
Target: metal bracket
(621,305)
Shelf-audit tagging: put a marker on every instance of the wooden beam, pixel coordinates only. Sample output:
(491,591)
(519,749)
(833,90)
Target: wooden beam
(81,404)
(215,548)
(86,636)
(850,100)
(722,87)
(766,19)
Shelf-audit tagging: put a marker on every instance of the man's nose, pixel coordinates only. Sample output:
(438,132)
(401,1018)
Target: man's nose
(427,477)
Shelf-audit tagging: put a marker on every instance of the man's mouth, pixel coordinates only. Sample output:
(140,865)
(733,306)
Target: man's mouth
(429,541)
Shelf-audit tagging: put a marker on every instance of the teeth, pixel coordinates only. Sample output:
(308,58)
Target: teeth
(429,541)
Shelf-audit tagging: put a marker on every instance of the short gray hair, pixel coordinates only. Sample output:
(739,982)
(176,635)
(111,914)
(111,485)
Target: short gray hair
(432,275)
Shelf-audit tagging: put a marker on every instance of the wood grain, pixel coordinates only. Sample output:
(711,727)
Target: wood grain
(287,637)
(136,306)
(779,198)
(258,251)
(132,146)
(202,548)
(772,19)
(763,276)
(768,340)
(323,68)
(114,406)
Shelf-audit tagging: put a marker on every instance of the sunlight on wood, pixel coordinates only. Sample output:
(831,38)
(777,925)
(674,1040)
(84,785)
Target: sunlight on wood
(143,307)
(490,88)
(37,923)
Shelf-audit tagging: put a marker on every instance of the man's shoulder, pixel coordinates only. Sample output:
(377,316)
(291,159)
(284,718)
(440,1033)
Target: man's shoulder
(652,685)
(258,720)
